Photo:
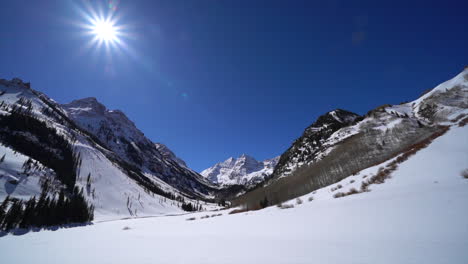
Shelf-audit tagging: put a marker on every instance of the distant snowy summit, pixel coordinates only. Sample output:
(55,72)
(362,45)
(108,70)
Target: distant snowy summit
(244,170)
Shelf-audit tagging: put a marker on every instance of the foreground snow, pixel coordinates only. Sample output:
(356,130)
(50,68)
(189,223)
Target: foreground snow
(417,216)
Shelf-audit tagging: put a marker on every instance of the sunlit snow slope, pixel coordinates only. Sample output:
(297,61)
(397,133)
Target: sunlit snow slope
(417,216)
(115,186)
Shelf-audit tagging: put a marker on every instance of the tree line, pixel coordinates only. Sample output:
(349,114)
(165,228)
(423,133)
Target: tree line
(45,211)
(47,146)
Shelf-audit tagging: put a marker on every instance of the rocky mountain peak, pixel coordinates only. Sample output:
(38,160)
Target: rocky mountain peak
(168,154)
(337,116)
(88,105)
(242,170)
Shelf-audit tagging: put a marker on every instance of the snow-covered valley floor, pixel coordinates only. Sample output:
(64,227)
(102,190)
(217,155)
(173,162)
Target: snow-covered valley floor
(420,215)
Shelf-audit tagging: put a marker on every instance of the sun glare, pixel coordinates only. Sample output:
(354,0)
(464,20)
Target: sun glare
(105,31)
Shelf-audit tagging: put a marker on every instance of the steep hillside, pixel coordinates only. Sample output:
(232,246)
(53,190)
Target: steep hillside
(316,141)
(120,135)
(332,149)
(244,170)
(120,174)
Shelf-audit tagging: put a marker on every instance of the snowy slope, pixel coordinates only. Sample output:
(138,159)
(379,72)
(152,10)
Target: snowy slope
(417,216)
(119,134)
(333,148)
(115,188)
(244,170)
(17,179)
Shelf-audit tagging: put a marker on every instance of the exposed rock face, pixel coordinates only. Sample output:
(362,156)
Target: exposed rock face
(315,140)
(168,154)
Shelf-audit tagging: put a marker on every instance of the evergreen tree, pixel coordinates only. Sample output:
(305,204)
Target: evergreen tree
(28,214)
(60,208)
(264,203)
(13,215)
(88,180)
(47,211)
(222,202)
(3,208)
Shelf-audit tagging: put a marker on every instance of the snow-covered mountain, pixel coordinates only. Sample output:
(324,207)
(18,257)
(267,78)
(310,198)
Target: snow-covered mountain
(82,148)
(120,135)
(420,212)
(244,170)
(168,154)
(341,143)
(48,147)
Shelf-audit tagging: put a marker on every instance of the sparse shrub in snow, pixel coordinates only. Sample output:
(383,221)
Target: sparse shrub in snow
(311,199)
(298,201)
(216,215)
(2,158)
(385,173)
(285,206)
(339,186)
(126,228)
(342,194)
(206,216)
(463,122)
(464,173)
(338,195)
(191,219)
(352,181)
(240,210)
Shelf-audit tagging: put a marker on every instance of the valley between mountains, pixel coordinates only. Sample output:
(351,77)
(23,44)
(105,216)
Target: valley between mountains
(389,186)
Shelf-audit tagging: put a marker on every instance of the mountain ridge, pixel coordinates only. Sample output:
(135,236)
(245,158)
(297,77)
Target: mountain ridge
(332,149)
(244,170)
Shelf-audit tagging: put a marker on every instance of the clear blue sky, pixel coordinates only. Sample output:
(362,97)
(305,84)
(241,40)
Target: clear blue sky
(217,78)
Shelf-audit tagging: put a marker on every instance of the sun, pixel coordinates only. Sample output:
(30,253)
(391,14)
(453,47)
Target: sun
(105,30)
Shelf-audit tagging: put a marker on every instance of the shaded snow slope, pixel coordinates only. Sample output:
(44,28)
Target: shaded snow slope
(244,170)
(417,216)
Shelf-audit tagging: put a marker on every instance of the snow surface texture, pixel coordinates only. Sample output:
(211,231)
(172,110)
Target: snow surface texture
(244,170)
(417,216)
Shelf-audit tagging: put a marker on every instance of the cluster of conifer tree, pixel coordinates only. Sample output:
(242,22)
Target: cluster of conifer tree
(50,148)
(45,211)
(188,207)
